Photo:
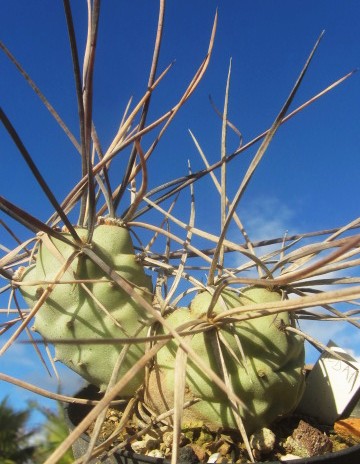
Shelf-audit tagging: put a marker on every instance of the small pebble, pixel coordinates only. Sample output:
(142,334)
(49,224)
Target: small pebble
(168,439)
(213,458)
(307,441)
(187,456)
(224,449)
(289,457)
(138,447)
(147,444)
(263,441)
(200,452)
(151,443)
(155,454)
(348,428)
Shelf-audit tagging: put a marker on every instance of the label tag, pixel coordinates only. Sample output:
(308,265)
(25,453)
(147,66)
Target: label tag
(332,387)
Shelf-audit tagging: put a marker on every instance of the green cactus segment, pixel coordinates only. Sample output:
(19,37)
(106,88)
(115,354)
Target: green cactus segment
(98,309)
(268,377)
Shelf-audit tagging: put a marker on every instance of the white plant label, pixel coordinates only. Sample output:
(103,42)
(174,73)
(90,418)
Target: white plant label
(332,387)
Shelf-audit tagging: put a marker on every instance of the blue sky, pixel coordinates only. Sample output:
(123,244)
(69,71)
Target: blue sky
(308,178)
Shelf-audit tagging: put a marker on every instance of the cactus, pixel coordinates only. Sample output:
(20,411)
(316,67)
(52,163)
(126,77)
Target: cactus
(268,379)
(94,310)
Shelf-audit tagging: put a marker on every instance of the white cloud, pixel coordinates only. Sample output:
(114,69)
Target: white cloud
(263,218)
(266,218)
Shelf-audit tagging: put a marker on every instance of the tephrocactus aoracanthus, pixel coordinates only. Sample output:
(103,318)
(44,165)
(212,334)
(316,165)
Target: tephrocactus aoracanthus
(85,304)
(268,378)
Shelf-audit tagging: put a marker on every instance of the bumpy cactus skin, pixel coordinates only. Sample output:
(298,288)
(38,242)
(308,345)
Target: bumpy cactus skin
(71,313)
(269,380)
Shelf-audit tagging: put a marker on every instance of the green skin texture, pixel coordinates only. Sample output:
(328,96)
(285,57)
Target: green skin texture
(269,381)
(70,313)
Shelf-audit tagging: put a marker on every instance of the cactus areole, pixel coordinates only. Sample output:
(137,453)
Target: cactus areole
(86,304)
(263,362)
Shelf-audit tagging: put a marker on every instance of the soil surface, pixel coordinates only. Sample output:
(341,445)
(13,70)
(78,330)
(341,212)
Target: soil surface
(293,437)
